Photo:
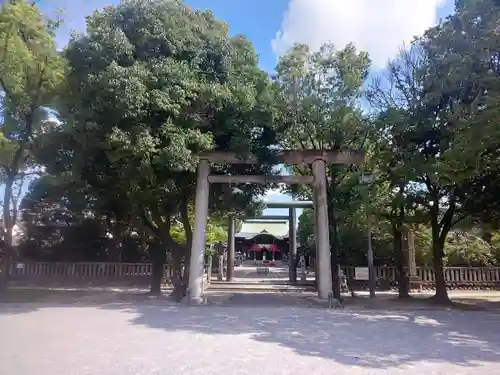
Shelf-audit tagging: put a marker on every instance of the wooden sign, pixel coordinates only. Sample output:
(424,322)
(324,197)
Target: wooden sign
(361,273)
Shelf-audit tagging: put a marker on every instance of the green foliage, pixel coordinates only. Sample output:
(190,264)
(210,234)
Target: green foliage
(31,74)
(352,237)
(214,233)
(473,87)
(462,248)
(305,228)
(152,84)
(30,68)
(443,93)
(146,99)
(320,92)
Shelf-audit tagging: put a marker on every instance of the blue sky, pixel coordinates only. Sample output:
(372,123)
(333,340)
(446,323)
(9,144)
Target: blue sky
(377,26)
(258,20)
(261,20)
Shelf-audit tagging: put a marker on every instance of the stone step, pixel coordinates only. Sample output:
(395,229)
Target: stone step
(239,287)
(261,282)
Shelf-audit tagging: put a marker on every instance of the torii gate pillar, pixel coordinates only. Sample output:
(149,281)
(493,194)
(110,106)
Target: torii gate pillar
(197,261)
(322,234)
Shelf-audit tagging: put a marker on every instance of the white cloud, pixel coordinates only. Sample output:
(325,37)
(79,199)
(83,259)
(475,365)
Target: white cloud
(275,195)
(379,27)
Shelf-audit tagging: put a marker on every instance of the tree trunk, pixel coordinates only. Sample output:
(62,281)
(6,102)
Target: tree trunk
(179,280)
(185,272)
(8,220)
(487,236)
(8,250)
(181,255)
(441,295)
(157,254)
(334,250)
(440,230)
(316,273)
(403,282)
(116,244)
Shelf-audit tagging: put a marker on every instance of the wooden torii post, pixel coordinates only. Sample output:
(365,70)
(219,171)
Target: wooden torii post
(317,159)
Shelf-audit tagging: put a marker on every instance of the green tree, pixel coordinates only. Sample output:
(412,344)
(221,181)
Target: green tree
(394,96)
(460,94)
(320,111)
(31,72)
(151,85)
(352,238)
(475,83)
(305,228)
(446,96)
(216,231)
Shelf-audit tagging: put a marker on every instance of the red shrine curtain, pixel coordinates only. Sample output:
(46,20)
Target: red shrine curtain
(273,248)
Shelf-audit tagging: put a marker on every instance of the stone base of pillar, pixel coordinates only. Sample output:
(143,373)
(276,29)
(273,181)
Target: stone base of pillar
(415,283)
(334,303)
(220,272)
(303,276)
(194,301)
(329,303)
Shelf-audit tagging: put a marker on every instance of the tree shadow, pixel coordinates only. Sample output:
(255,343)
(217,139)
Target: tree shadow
(360,338)
(23,301)
(352,336)
(28,300)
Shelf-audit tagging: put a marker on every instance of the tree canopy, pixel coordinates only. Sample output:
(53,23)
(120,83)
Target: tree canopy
(31,73)
(111,128)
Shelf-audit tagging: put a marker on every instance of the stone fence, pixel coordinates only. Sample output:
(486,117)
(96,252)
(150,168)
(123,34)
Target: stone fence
(456,277)
(98,272)
(140,273)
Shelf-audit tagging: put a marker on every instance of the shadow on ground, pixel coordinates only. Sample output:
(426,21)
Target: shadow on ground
(391,303)
(362,338)
(359,337)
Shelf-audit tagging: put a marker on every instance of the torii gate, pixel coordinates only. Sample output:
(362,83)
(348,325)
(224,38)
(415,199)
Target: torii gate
(318,160)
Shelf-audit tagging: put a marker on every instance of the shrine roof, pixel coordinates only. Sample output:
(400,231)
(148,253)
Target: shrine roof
(249,229)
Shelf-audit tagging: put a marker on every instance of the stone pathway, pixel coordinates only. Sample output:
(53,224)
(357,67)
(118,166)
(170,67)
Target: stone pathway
(256,300)
(232,338)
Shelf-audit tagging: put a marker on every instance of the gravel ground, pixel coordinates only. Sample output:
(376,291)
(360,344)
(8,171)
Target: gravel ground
(236,338)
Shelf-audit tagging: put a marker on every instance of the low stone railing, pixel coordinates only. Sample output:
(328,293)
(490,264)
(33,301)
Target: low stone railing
(88,271)
(459,277)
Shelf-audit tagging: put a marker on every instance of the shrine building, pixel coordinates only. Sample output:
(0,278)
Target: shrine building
(263,240)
